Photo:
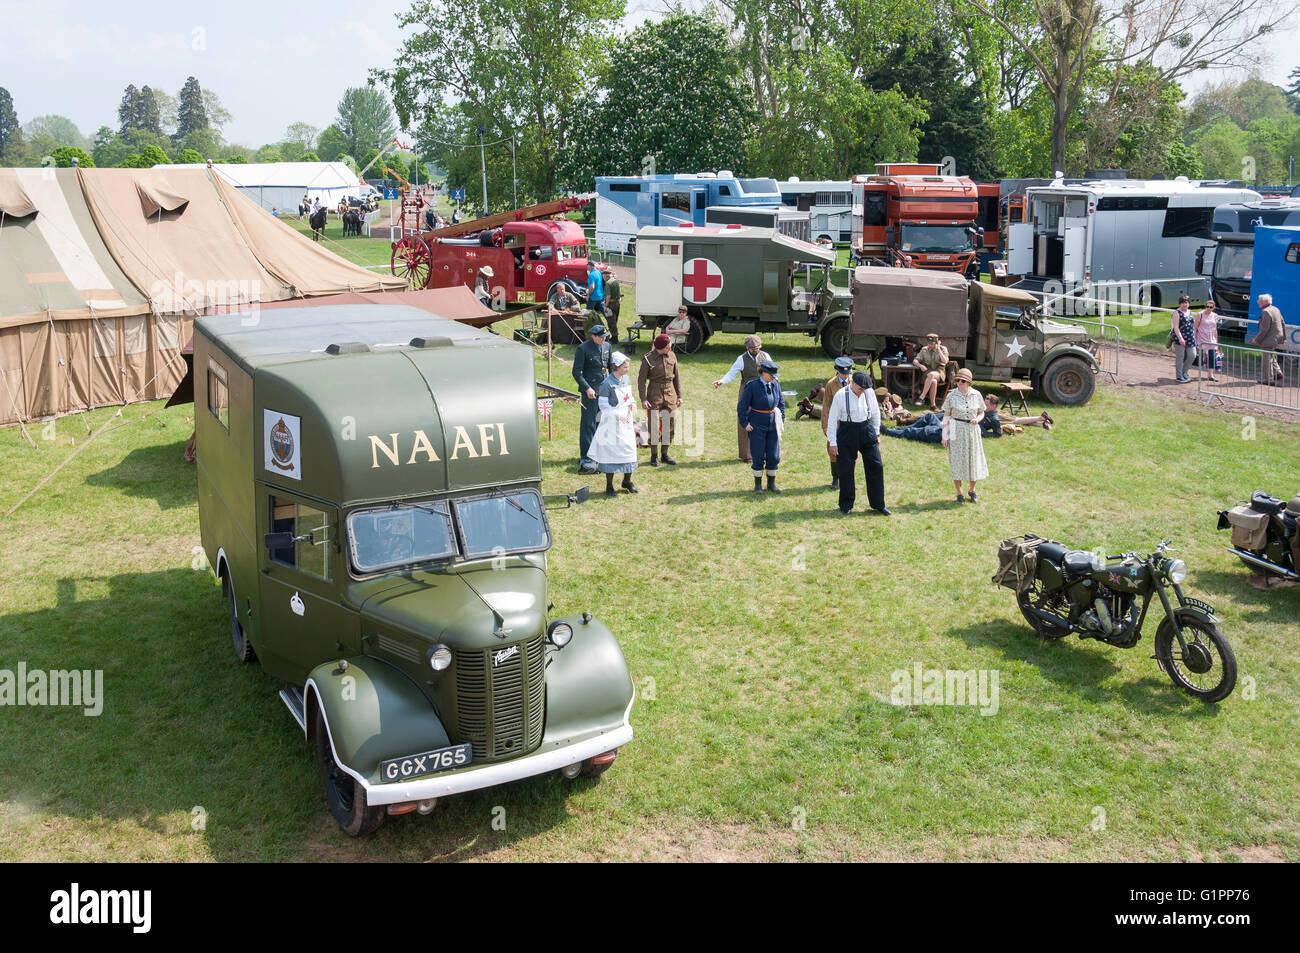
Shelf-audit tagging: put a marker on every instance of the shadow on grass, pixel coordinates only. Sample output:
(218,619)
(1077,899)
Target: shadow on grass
(1083,668)
(184,726)
(159,473)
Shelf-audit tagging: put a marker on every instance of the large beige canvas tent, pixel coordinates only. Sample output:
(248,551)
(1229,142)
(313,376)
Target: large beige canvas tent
(103,270)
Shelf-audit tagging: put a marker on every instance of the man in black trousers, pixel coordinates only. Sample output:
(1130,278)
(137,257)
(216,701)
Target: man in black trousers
(853,427)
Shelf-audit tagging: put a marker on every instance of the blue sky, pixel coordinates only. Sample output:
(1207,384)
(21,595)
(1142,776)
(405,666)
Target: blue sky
(271,62)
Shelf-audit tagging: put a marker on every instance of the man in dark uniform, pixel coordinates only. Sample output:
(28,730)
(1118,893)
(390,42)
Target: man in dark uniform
(660,385)
(590,368)
(855,429)
(760,402)
(843,374)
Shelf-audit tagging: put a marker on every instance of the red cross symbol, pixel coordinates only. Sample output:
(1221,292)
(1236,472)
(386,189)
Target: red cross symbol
(702,280)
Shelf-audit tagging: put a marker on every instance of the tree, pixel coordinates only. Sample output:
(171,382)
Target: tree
(146,112)
(191,115)
(152,155)
(1069,39)
(679,73)
(189,156)
(268,153)
(235,160)
(365,119)
(217,114)
(59,129)
(11,134)
(515,68)
(64,155)
(308,157)
(331,143)
(1293,90)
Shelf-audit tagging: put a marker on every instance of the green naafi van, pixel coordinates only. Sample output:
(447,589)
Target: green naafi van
(369,497)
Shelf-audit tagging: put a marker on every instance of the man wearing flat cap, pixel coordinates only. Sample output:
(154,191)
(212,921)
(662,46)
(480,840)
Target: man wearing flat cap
(843,374)
(747,367)
(659,385)
(761,413)
(854,429)
(590,368)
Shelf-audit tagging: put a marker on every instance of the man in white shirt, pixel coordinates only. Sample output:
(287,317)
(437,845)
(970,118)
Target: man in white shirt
(853,428)
(747,367)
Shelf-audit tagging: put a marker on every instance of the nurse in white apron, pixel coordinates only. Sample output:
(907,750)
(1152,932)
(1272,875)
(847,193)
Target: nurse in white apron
(613,448)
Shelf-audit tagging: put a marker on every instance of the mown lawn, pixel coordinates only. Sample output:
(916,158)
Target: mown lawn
(761,632)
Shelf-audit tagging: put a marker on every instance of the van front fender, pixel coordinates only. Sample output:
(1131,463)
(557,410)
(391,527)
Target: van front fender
(588,686)
(373,712)
(1061,350)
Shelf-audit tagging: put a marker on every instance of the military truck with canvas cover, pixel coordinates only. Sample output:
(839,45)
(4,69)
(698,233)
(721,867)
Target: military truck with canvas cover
(998,333)
(369,499)
(740,278)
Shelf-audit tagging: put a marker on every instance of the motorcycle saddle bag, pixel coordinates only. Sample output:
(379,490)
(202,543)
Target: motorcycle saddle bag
(1249,527)
(1262,502)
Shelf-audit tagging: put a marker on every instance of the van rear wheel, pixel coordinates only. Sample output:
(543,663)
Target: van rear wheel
(243,648)
(345,797)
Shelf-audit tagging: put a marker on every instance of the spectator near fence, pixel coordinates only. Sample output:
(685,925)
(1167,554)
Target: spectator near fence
(1269,337)
(1207,339)
(1184,336)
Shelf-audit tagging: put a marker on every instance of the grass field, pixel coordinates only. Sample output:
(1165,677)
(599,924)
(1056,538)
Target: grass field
(762,634)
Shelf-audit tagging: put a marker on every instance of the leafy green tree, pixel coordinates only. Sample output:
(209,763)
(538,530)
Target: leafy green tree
(308,157)
(11,134)
(268,153)
(515,68)
(365,119)
(235,160)
(59,129)
(146,112)
(191,114)
(63,157)
(189,156)
(1222,146)
(1293,90)
(680,73)
(128,109)
(217,114)
(152,155)
(331,143)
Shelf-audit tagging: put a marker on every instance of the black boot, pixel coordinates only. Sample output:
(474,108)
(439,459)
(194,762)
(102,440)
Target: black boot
(609,485)
(669,460)
(771,484)
(835,477)
(654,456)
(628,484)
(758,484)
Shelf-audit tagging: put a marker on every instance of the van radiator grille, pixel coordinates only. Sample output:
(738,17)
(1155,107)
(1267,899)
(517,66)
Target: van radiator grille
(501,704)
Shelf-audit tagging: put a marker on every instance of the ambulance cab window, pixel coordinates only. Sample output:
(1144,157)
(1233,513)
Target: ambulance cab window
(311,555)
(218,393)
(540,253)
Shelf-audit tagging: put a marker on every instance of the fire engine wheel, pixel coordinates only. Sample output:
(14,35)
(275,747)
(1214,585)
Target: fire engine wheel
(413,261)
(243,648)
(837,337)
(1069,381)
(345,797)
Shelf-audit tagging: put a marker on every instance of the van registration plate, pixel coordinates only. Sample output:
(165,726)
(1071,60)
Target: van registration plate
(428,762)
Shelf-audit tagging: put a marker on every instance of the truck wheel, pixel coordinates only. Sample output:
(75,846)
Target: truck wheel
(695,337)
(346,798)
(243,648)
(1069,381)
(837,337)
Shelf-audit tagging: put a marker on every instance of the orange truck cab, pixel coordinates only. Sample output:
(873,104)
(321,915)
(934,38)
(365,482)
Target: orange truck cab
(911,215)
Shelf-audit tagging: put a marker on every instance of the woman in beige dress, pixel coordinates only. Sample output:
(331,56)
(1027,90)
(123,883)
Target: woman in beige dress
(963,409)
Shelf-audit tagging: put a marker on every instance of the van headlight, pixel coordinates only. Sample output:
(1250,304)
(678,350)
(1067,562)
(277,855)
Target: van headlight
(559,634)
(439,657)
(1177,571)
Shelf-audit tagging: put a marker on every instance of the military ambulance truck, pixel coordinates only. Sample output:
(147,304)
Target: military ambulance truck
(740,278)
(998,333)
(369,498)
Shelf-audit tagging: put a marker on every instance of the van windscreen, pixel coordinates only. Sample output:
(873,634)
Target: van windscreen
(393,536)
(510,523)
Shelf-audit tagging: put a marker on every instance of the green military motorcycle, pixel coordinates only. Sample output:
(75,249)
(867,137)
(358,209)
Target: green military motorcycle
(1062,591)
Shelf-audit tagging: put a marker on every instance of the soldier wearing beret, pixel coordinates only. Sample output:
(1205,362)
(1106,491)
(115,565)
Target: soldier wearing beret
(659,385)
(590,368)
(761,402)
(747,367)
(843,373)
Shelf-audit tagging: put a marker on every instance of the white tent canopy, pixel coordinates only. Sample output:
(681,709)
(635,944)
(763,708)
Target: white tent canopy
(280,186)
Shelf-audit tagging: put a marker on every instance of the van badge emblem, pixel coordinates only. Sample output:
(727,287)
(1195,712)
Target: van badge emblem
(297,605)
(282,446)
(504,654)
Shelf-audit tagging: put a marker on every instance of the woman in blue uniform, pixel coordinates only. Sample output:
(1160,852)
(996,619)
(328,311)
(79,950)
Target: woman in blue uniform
(760,404)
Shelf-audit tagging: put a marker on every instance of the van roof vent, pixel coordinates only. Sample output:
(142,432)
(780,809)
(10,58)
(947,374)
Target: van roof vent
(348,347)
(431,342)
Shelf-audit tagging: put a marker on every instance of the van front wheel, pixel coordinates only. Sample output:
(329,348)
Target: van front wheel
(345,797)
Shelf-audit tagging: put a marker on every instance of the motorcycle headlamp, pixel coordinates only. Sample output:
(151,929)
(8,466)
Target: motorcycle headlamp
(559,634)
(439,657)
(1177,571)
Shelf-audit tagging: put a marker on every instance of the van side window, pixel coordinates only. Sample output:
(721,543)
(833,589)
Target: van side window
(1293,253)
(309,556)
(218,393)
(1187,222)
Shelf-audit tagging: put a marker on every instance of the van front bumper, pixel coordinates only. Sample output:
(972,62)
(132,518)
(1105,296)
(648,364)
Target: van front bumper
(473,779)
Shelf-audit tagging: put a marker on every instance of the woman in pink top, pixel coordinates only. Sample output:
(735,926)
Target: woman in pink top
(1207,339)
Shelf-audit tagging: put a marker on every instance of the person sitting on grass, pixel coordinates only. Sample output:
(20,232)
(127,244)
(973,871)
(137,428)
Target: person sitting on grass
(997,422)
(928,428)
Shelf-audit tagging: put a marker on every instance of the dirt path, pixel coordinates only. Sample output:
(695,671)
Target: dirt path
(1154,370)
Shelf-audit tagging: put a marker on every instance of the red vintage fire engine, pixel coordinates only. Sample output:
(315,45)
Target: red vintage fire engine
(909,215)
(530,253)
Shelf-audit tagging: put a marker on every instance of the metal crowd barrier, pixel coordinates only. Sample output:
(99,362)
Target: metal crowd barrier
(1243,373)
(1104,343)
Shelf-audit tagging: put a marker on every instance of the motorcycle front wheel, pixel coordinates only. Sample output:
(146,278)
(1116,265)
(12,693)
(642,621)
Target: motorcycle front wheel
(1208,669)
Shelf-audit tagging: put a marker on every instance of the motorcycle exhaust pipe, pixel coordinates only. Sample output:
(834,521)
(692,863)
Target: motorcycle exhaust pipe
(1049,618)
(1264,564)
